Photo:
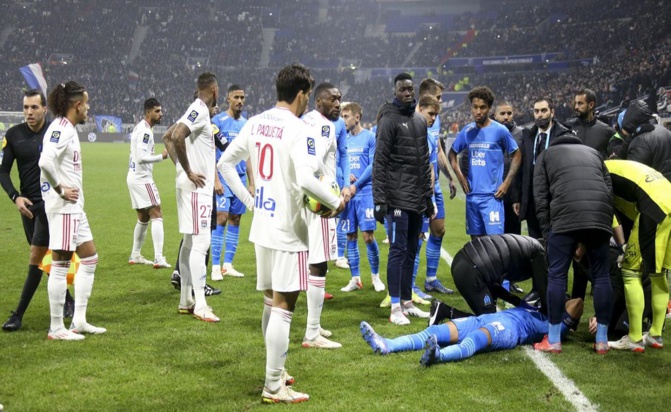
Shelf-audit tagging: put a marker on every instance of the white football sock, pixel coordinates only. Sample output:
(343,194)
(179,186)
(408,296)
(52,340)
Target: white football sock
(199,245)
(277,345)
(83,287)
(267,307)
(56,287)
(315,296)
(157,237)
(139,235)
(185,298)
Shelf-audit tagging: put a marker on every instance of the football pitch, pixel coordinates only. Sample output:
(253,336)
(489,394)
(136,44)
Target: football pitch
(151,358)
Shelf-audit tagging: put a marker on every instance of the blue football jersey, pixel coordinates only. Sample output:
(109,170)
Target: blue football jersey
(229,128)
(361,150)
(433,135)
(485,152)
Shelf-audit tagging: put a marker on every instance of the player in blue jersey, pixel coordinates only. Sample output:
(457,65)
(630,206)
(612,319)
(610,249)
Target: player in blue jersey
(358,213)
(229,208)
(342,177)
(431,88)
(486,141)
(464,337)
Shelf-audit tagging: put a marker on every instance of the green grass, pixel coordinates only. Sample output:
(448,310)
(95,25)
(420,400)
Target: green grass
(153,359)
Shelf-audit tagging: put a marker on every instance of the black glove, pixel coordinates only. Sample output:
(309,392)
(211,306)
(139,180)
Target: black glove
(429,208)
(380,213)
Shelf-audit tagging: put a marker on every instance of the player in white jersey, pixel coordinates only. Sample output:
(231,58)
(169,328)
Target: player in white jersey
(191,144)
(144,195)
(322,231)
(62,191)
(283,157)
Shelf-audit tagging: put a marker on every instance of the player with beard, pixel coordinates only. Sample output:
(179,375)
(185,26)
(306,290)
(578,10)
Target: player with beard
(190,142)
(62,190)
(229,208)
(322,231)
(143,191)
(23,143)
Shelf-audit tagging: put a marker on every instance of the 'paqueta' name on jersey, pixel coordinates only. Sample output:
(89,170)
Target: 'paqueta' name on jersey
(273,132)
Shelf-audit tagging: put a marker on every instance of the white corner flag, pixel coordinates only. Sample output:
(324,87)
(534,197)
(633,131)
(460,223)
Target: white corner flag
(34,77)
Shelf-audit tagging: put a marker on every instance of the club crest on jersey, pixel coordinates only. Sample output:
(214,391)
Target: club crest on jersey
(192,116)
(55,136)
(325,131)
(145,139)
(311,146)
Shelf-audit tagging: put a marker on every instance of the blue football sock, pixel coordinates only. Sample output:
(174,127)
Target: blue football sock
(470,345)
(373,256)
(554,333)
(341,240)
(432,256)
(416,340)
(232,236)
(217,243)
(601,332)
(353,257)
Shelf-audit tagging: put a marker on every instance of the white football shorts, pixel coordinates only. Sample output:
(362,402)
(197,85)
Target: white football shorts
(194,212)
(67,231)
(280,270)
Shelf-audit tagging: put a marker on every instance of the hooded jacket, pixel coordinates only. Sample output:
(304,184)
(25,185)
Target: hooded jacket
(401,169)
(648,142)
(572,188)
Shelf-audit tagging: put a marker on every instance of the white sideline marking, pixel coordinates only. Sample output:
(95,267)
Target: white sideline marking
(561,382)
(565,385)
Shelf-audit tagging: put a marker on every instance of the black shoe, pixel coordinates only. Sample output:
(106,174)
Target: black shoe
(436,312)
(13,323)
(210,291)
(176,280)
(68,309)
(515,288)
(533,298)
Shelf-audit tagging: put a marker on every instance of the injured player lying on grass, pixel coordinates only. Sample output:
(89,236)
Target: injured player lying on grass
(464,337)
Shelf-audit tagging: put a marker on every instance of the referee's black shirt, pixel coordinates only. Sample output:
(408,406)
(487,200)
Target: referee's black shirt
(24,146)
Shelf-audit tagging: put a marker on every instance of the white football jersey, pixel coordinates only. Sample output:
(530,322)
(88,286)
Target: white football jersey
(60,146)
(199,148)
(141,147)
(324,131)
(277,143)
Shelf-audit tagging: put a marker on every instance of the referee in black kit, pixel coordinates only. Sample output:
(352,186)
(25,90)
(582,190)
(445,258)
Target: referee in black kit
(23,144)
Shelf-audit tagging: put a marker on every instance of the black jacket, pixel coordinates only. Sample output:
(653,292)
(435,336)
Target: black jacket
(505,257)
(572,188)
(523,193)
(595,134)
(401,171)
(648,143)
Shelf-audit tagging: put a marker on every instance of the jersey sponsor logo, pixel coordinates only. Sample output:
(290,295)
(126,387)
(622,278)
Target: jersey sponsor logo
(326,130)
(192,116)
(55,136)
(311,146)
(145,138)
(264,203)
(478,158)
